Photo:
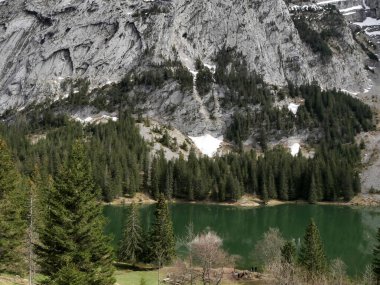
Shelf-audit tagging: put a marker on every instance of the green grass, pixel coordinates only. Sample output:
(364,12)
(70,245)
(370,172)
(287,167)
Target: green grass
(134,277)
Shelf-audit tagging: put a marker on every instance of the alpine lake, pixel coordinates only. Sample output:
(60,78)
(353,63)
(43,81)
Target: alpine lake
(348,232)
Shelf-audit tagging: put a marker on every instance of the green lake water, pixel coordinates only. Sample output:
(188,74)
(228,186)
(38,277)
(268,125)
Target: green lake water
(347,232)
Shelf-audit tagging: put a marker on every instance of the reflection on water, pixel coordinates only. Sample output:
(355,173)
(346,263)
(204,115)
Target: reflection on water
(347,232)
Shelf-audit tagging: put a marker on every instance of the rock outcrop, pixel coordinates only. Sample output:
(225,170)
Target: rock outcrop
(45,44)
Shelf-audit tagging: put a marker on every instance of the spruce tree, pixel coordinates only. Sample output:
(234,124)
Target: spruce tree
(161,240)
(284,186)
(264,191)
(312,197)
(312,257)
(289,252)
(272,193)
(130,247)
(72,242)
(12,219)
(376,259)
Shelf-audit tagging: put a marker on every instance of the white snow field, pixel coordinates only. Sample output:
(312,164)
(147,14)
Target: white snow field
(294,149)
(207,144)
(293,108)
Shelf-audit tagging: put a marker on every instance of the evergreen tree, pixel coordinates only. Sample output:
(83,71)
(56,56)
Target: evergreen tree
(288,252)
(348,192)
(130,247)
(161,240)
(72,242)
(284,187)
(264,192)
(312,257)
(12,222)
(312,197)
(272,193)
(376,259)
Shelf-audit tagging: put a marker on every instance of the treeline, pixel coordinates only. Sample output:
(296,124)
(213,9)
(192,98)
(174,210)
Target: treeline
(337,116)
(331,175)
(134,88)
(117,152)
(332,21)
(243,86)
(122,164)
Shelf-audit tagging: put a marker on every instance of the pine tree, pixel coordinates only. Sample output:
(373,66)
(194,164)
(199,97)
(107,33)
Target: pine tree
(348,192)
(312,197)
(272,193)
(288,252)
(284,186)
(312,257)
(130,247)
(12,220)
(376,259)
(161,240)
(72,242)
(264,191)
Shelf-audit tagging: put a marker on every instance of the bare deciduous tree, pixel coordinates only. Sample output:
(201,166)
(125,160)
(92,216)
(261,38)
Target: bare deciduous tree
(338,271)
(268,249)
(209,255)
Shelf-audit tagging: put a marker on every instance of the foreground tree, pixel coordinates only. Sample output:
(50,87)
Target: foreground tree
(73,248)
(161,239)
(130,246)
(312,257)
(376,259)
(289,252)
(208,254)
(268,248)
(12,223)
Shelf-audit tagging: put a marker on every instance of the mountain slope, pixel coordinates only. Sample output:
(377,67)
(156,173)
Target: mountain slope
(45,44)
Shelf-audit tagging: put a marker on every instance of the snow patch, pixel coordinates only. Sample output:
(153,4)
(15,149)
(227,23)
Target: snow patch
(354,8)
(293,108)
(365,5)
(295,149)
(207,144)
(96,120)
(330,2)
(211,67)
(374,33)
(349,13)
(349,92)
(368,22)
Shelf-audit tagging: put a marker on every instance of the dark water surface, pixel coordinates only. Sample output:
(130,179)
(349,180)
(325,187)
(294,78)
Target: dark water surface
(348,233)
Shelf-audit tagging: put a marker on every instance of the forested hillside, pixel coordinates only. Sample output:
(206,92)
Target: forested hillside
(122,163)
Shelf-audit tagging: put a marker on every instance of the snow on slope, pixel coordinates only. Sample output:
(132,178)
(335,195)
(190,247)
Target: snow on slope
(368,22)
(207,144)
(96,119)
(358,7)
(294,149)
(329,2)
(293,108)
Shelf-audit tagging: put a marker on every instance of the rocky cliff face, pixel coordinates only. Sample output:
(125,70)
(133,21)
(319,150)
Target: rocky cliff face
(44,43)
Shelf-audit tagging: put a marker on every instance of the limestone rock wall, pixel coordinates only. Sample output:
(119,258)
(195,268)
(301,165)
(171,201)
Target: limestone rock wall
(45,43)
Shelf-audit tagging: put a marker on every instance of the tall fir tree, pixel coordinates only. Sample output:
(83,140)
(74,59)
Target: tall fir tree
(161,239)
(72,242)
(130,247)
(313,191)
(312,257)
(289,252)
(12,216)
(272,193)
(284,186)
(376,259)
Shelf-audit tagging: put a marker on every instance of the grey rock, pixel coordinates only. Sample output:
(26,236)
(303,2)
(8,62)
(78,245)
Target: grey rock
(44,42)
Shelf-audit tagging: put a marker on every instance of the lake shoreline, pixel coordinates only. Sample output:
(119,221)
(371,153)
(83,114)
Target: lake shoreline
(250,201)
